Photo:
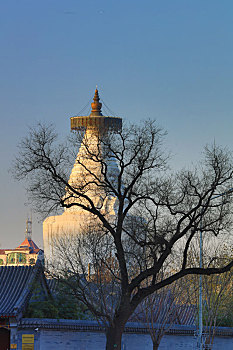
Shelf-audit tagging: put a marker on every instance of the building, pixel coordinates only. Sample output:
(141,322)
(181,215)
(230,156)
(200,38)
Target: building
(17,286)
(74,219)
(27,253)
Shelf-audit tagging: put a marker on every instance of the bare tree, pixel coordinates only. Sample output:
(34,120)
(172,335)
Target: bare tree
(164,308)
(217,289)
(155,211)
(84,263)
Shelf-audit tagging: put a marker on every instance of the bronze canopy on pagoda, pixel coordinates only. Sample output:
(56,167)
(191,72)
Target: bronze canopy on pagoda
(96,120)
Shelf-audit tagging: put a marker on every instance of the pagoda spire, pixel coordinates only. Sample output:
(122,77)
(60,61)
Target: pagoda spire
(28,232)
(96,105)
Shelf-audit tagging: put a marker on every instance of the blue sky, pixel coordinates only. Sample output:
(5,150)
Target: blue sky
(168,60)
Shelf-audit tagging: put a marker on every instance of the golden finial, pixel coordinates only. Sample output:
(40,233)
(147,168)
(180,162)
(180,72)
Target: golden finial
(96,105)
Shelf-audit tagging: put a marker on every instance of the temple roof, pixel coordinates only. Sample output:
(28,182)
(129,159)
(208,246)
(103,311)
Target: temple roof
(28,243)
(3,251)
(16,286)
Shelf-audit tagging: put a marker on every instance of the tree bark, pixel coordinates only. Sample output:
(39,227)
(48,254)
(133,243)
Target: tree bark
(114,337)
(155,346)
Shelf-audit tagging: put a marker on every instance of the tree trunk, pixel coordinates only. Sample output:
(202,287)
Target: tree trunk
(116,328)
(114,336)
(155,346)
(207,346)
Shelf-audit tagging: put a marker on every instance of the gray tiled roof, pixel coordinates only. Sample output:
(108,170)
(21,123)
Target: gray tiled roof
(131,327)
(16,284)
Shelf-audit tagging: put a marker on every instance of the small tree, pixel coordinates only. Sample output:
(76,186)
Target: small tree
(164,308)
(225,317)
(217,289)
(62,304)
(154,210)
(85,266)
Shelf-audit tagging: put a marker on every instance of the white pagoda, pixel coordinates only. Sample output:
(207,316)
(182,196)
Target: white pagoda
(74,219)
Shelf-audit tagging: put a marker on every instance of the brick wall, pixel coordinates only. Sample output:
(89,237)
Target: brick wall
(80,335)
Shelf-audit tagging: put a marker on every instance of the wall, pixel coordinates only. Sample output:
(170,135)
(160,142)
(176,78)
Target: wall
(86,335)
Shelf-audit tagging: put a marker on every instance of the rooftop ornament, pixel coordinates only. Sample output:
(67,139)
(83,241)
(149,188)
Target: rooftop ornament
(96,121)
